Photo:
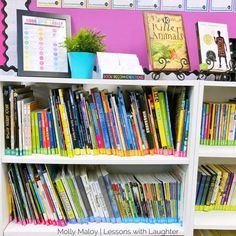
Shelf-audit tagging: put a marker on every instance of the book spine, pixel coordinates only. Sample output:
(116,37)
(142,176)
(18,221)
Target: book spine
(7,119)
(102,120)
(65,201)
(112,198)
(75,197)
(19,130)
(163,107)
(44,135)
(99,134)
(53,196)
(76,118)
(159,119)
(54,123)
(48,141)
(71,119)
(51,133)
(84,196)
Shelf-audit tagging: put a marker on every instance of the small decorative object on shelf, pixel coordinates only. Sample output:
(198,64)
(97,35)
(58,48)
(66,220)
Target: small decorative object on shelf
(181,73)
(82,50)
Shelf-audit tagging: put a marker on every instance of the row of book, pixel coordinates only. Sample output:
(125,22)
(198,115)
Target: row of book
(216,187)
(214,233)
(129,123)
(218,125)
(57,195)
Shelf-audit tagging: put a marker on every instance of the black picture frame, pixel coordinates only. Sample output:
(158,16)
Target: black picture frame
(20,51)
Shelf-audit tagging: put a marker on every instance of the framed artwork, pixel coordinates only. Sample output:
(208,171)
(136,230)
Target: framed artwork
(40,37)
(214,46)
(166,42)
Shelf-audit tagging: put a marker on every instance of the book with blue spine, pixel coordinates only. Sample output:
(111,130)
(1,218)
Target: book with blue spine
(115,124)
(40,132)
(132,132)
(95,122)
(111,195)
(123,115)
(102,119)
(51,133)
(186,115)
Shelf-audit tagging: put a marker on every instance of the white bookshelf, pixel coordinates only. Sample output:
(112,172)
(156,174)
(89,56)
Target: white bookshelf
(217,151)
(191,219)
(213,220)
(220,220)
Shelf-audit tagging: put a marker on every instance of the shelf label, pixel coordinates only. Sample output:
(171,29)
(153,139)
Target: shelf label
(172,5)
(74,3)
(219,5)
(123,4)
(200,5)
(148,4)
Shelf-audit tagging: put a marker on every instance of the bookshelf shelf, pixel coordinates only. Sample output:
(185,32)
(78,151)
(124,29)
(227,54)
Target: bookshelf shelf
(146,82)
(102,229)
(97,160)
(221,220)
(217,151)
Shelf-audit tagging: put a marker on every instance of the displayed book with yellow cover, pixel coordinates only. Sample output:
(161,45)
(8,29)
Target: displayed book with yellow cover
(166,41)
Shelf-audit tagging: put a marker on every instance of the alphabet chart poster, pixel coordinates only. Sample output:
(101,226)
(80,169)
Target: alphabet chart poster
(42,44)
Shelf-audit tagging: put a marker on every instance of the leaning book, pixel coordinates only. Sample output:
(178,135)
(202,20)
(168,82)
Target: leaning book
(166,43)
(213,40)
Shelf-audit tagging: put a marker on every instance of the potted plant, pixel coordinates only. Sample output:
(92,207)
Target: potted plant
(82,50)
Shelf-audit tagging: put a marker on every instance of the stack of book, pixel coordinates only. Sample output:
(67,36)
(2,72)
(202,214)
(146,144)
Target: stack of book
(216,188)
(214,233)
(129,123)
(218,124)
(57,195)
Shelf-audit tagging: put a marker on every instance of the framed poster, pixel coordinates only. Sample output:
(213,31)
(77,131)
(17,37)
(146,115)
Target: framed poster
(8,40)
(165,39)
(40,37)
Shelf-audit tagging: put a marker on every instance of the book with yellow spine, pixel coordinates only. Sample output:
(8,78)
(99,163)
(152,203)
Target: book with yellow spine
(220,194)
(65,125)
(160,121)
(64,199)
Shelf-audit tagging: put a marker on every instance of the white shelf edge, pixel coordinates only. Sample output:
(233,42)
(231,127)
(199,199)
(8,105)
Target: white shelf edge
(217,151)
(101,228)
(146,82)
(100,159)
(219,220)
(218,83)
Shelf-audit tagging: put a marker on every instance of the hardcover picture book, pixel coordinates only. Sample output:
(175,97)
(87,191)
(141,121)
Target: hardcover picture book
(165,39)
(214,45)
